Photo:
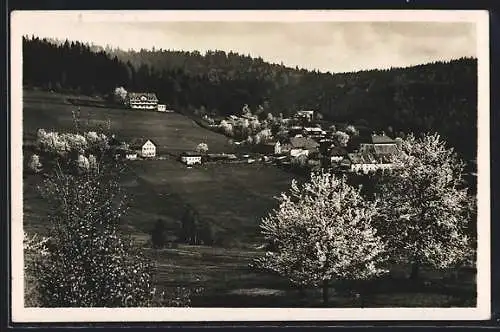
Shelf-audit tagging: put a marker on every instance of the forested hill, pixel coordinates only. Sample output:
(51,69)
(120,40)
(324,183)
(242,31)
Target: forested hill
(440,96)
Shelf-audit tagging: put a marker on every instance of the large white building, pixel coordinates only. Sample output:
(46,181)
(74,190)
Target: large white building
(142,100)
(366,163)
(191,158)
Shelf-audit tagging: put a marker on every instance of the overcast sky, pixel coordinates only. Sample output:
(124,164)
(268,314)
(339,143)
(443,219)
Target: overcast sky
(326,46)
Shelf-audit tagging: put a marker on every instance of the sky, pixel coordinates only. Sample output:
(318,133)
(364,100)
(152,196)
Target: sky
(325,45)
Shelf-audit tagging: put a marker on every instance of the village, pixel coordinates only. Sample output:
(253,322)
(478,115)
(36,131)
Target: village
(247,162)
(302,142)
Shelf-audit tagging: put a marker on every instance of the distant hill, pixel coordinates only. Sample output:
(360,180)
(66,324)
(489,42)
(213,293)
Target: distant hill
(440,96)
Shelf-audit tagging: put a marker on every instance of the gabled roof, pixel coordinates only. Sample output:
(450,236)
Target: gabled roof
(137,143)
(137,95)
(303,142)
(190,154)
(380,149)
(385,149)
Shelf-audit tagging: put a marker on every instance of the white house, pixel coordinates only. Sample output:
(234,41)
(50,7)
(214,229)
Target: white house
(300,146)
(141,100)
(307,115)
(191,158)
(145,147)
(295,152)
(313,131)
(162,108)
(367,163)
(337,154)
(277,148)
(379,145)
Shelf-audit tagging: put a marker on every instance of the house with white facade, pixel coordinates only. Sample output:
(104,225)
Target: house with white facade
(191,158)
(313,132)
(146,148)
(162,108)
(306,115)
(337,154)
(300,146)
(142,100)
(367,163)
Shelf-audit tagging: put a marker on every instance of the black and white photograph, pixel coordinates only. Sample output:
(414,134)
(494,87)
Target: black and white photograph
(250,165)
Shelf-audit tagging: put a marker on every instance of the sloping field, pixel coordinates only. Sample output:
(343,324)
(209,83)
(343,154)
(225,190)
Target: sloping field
(233,197)
(172,132)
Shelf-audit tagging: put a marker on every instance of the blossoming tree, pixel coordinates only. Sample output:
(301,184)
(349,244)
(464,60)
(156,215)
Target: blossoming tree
(88,261)
(322,231)
(425,212)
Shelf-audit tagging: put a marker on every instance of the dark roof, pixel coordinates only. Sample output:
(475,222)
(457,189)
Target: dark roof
(338,151)
(380,149)
(139,142)
(303,142)
(381,139)
(137,95)
(190,154)
(386,149)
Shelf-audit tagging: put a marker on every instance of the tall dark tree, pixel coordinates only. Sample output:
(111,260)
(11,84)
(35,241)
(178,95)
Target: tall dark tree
(159,234)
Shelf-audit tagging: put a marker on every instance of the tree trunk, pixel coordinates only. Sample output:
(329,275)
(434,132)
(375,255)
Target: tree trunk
(415,269)
(325,292)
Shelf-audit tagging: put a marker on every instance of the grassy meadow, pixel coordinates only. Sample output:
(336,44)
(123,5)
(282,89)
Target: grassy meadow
(233,197)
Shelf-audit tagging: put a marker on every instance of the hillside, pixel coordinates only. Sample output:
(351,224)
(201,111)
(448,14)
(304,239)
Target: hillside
(440,96)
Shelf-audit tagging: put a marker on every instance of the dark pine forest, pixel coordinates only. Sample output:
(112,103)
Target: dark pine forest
(439,96)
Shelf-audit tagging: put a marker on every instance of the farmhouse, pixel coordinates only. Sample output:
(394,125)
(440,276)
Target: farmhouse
(144,147)
(306,115)
(269,148)
(337,154)
(366,163)
(313,132)
(379,145)
(142,100)
(300,146)
(191,158)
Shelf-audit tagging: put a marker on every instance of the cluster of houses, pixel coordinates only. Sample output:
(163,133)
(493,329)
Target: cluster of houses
(373,154)
(308,141)
(366,154)
(144,101)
